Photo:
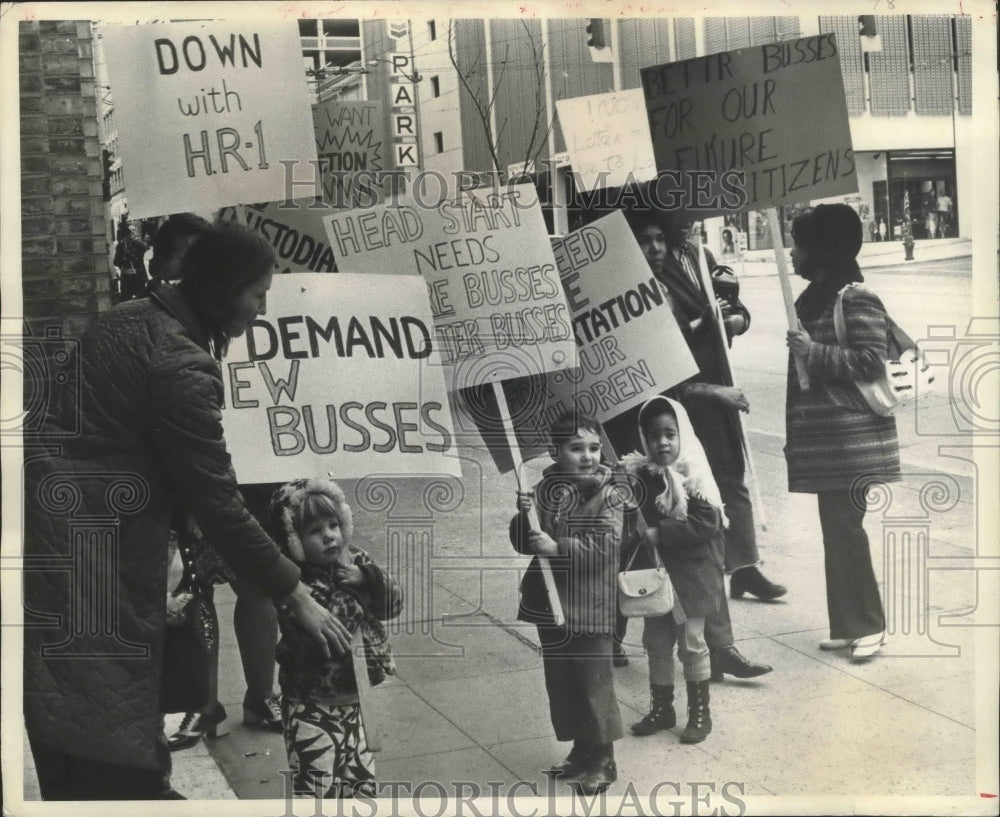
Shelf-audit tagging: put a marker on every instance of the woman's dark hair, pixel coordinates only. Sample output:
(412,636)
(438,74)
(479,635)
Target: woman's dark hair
(222,262)
(830,236)
(171,242)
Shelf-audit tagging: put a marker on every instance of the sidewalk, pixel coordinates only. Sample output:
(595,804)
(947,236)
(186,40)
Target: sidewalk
(468,706)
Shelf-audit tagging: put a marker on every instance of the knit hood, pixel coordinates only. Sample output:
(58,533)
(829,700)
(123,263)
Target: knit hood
(286,501)
(688,475)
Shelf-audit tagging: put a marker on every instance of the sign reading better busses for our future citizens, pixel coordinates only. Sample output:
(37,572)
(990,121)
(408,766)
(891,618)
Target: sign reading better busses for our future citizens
(759,127)
(210,113)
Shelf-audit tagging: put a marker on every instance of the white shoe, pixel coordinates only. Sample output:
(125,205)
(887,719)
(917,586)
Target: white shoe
(835,643)
(867,646)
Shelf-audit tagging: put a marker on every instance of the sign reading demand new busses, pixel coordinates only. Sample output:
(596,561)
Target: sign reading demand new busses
(208,114)
(758,127)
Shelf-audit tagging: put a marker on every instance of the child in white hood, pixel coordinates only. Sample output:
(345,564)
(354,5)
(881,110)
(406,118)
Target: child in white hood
(680,502)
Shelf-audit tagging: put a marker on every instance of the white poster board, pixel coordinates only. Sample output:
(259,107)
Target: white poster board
(209,112)
(486,258)
(341,375)
(607,137)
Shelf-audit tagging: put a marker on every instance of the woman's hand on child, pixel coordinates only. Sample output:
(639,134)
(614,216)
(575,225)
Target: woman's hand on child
(525,501)
(349,574)
(542,544)
(329,633)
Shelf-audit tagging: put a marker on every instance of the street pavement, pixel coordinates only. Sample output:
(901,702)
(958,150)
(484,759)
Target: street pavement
(467,711)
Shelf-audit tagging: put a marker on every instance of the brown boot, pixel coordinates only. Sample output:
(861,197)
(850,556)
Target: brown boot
(699,717)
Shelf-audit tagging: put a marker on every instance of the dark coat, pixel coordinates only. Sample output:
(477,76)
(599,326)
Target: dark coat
(691,549)
(587,522)
(716,426)
(832,438)
(97,513)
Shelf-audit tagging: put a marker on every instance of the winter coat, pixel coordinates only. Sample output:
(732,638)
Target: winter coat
(587,521)
(691,549)
(97,512)
(717,426)
(832,438)
(305,674)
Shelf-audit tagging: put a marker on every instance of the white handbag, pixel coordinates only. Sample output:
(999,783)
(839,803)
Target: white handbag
(647,592)
(907,375)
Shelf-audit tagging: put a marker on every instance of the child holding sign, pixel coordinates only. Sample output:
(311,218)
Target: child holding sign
(322,719)
(581,522)
(681,504)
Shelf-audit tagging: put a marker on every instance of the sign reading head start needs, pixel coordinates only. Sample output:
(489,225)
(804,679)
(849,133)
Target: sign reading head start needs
(340,375)
(210,114)
(758,127)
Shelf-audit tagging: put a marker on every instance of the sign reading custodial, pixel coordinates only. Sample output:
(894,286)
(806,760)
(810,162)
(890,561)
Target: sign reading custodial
(210,113)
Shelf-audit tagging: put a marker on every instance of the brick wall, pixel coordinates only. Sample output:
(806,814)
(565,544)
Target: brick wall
(65,272)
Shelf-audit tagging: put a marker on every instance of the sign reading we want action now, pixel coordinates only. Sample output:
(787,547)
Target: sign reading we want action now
(339,374)
(757,127)
(210,113)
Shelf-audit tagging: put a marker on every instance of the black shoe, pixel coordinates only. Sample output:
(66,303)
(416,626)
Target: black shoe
(729,661)
(196,725)
(661,711)
(751,580)
(600,773)
(699,723)
(618,657)
(265,714)
(574,765)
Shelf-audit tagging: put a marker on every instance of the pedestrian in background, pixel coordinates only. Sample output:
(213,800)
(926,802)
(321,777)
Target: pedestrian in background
(835,445)
(129,259)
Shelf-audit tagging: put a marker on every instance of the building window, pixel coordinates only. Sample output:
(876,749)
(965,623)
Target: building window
(432,29)
(435,86)
(438,142)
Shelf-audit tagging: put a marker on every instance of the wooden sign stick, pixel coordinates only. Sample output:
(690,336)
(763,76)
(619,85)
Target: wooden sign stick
(360,663)
(727,375)
(515,452)
(786,288)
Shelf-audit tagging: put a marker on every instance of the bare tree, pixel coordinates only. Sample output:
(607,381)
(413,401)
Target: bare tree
(483,98)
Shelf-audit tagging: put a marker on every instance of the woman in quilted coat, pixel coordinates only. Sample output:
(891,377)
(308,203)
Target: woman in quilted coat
(836,447)
(140,429)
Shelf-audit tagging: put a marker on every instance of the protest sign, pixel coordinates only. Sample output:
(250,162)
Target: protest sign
(499,308)
(629,344)
(295,230)
(758,127)
(341,375)
(353,151)
(208,112)
(607,138)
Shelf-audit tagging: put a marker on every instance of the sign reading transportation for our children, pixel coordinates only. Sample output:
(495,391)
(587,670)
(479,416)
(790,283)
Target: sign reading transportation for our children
(214,112)
(486,259)
(629,345)
(340,375)
(759,127)
(607,139)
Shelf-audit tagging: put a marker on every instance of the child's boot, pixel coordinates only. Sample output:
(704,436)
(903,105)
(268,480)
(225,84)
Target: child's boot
(574,765)
(699,718)
(601,770)
(661,711)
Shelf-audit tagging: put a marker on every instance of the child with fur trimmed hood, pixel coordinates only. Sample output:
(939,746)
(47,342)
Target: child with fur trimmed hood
(324,736)
(681,505)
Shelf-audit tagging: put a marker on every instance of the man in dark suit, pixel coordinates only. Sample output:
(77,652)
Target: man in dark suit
(712,403)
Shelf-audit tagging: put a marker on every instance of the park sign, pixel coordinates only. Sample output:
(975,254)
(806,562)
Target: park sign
(209,113)
(754,128)
(607,139)
(629,345)
(339,376)
(353,149)
(486,259)
(294,228)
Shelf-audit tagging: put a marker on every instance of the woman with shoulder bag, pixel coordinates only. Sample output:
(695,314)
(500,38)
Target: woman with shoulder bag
(836,447)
